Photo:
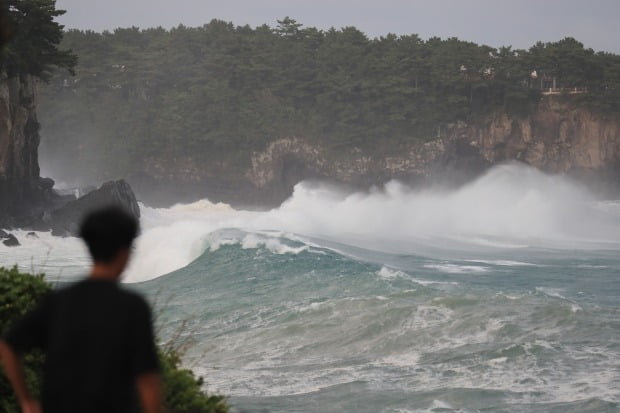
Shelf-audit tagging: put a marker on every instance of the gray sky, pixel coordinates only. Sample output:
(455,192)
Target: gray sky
(519,23)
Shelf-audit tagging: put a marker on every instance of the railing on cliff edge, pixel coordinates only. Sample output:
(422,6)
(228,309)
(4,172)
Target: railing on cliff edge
(566,90)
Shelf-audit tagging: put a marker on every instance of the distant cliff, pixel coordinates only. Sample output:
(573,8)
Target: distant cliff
(29,37)
(23,193)
(557,137)
(27,200)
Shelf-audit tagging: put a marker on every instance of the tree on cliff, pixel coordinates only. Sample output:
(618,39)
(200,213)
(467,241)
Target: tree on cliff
(34,39)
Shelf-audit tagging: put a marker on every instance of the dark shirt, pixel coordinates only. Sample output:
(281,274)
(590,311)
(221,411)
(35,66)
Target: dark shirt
(97,339)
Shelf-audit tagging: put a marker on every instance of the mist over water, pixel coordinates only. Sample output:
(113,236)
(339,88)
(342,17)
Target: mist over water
(510,201)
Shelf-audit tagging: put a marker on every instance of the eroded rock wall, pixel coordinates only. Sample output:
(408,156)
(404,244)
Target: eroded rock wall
(558,138)
(22,191)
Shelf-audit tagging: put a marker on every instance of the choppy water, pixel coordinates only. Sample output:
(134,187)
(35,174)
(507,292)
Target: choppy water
(502,296)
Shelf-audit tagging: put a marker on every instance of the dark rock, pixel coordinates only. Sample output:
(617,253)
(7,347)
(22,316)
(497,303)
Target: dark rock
(20,186)
(3,234)
(62,200)
(66,220)
(46,183)
(86,189)
(32,235)
(11,241)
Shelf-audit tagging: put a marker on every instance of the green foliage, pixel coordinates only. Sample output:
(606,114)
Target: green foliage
(34,39)
(183,392)
(19,293)
(219,89)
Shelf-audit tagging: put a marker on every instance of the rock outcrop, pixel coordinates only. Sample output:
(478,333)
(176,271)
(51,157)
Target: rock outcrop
(24,195)
(65,221)
(11,241)
(26,200)
(557,138)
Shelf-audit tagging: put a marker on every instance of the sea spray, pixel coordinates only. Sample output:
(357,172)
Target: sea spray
(512,206)
(509,202)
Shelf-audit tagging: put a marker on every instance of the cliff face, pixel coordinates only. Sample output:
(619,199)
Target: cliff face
(557,138)
(22,192)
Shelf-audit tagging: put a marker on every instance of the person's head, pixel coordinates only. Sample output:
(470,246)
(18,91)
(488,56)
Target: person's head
(109,233)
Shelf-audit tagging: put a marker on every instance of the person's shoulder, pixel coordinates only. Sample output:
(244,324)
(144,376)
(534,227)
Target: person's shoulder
(78,287)
(88,286)
(134,298)
(65,289)
(136,306)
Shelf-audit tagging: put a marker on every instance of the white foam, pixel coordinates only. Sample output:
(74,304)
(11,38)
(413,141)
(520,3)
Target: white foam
(575,308)
(438,404)
(409,359)
(498,360)
(457,269)
(201,207)
(390,274)
(511,297)
(505,263)
(556,293)
(387,273)
(551,292)
(253,241)
(490,243)
(59,258)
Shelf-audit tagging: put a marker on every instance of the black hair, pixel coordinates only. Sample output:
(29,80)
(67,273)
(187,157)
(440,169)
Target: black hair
(107,231)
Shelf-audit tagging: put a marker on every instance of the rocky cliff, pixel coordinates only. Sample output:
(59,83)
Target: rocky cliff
(23,193)
(66,220)
(558,137)
(26,199)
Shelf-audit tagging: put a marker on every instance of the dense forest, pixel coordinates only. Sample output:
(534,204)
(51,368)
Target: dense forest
(231,89)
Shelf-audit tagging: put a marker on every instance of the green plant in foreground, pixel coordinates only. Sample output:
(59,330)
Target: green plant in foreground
(20,292)
(183,393)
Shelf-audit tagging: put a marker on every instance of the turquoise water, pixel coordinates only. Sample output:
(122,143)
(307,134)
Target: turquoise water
(329,327)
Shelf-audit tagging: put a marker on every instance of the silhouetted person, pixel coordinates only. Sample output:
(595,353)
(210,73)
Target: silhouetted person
(97,337)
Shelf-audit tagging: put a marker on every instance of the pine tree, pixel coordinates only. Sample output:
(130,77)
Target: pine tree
(34,37)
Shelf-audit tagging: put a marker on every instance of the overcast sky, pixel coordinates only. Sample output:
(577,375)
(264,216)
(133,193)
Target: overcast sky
(519,23)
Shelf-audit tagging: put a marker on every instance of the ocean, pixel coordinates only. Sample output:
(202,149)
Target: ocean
(500,296)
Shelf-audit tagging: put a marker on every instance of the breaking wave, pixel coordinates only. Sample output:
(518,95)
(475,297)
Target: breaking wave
(511,206)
